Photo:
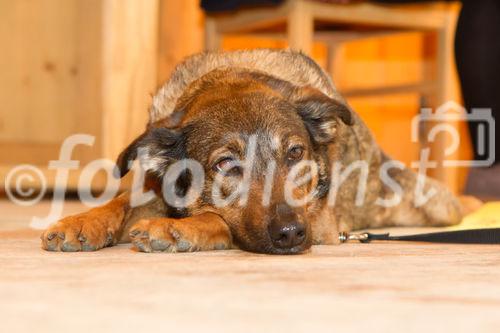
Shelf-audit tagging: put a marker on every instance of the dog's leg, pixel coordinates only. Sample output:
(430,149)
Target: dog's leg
(197,233)
(97,228)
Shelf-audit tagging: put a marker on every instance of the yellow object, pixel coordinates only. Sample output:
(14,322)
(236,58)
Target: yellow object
(488,216)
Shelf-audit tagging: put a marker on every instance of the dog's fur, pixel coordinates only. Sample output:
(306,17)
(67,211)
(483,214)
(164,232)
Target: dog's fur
(208,110)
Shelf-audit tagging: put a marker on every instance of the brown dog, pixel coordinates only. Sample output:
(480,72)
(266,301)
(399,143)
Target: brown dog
(217,106)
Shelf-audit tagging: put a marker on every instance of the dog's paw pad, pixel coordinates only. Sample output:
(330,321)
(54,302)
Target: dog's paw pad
(88,247)
(184,246)
(160,245)
(70,247)
(220,246)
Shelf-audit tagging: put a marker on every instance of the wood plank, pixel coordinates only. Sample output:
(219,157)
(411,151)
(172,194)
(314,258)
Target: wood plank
(213,39)
(181,34)
(129,77)
(88,107)
(248,20)
(300,27)
(395,16)
(49,177)
(38,82)
(50,82)
(389,90)
(28,152)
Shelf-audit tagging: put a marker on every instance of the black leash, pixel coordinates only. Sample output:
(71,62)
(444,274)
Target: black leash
(471,236)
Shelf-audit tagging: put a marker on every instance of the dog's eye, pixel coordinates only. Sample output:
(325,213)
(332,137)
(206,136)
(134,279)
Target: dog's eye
(228,167)
(295,153)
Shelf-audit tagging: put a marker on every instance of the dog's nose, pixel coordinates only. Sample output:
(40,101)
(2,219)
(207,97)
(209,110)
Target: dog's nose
(286,236)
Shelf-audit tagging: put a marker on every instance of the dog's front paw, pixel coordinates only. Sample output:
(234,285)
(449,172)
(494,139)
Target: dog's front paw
(77,233)
(179,235)
(90,231)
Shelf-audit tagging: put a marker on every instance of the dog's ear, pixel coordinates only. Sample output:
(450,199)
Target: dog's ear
(156,149)
(320,113)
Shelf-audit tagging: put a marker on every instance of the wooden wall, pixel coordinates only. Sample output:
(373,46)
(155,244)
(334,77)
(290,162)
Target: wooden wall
(130,64)
(74,66)
(45,74)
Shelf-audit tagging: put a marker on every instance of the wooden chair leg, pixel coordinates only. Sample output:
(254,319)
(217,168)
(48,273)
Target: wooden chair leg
(446,91)
(213,39)
(300,27)
(335,53)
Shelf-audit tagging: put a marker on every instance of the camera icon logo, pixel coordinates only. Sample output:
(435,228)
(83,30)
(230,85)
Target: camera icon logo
(442,120)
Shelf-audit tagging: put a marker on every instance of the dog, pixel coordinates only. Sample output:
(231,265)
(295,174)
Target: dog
(214,107)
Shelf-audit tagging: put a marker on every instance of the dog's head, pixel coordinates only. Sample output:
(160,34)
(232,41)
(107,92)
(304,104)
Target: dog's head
(261,143)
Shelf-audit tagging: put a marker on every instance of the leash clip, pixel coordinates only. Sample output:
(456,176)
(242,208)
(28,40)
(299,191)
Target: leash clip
(362,237)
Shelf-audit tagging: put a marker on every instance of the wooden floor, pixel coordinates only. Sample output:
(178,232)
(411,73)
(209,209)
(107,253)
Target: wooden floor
(386,287)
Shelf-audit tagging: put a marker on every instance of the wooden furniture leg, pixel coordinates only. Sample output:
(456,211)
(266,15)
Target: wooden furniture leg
(446,90)
(300,27)
(212,36)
